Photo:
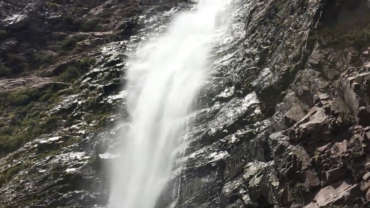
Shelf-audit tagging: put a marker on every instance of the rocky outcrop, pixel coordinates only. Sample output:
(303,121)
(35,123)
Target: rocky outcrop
(307,146)
(283,122)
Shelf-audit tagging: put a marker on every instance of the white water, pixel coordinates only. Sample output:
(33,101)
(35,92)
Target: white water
(164,77)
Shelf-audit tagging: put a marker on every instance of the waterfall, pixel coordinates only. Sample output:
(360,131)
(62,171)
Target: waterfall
(164,77)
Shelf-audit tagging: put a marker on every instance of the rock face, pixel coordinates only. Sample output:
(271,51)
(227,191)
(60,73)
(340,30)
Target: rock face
(284,122)
(303,142)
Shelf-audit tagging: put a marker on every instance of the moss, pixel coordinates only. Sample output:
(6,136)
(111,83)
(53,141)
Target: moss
(19,98)
(49,95)
(24,116)
(27,127)
(87,61)
(23,97)
(5,130)
(76,69)
(41,58)
(90,25)
(70,43)
(10,143)
(50,124)
(69,74)
(10,173)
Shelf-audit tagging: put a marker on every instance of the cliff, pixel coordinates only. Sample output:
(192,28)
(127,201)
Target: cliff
(284,122)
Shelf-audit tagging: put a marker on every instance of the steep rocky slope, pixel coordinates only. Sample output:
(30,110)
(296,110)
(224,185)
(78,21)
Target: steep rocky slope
(284,122)
(293,128)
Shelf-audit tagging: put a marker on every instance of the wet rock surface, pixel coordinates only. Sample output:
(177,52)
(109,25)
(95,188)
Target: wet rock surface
(283,122)
(305,144)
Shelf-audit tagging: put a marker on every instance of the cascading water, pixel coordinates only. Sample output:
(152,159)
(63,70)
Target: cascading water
(164,77)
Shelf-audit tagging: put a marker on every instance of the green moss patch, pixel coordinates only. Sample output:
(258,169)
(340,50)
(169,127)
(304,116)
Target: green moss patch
(69,43)
(76,69)
(10,173)
(23,97)
(90,25)
(41,58)
(24,116)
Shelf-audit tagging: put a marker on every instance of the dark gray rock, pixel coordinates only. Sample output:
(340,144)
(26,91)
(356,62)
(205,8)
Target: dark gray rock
(284,121)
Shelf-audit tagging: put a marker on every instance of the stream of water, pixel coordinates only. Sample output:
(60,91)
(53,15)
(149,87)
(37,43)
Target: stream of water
(164,77)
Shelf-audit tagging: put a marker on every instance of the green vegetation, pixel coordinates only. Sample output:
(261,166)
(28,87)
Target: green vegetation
(24,113)
(69,74)
(25,127)
(69,43)
(23,97)
(3,34)
(41,58)
(4,70)
(10,173)
(24,116)
(76,69)
(90,25)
